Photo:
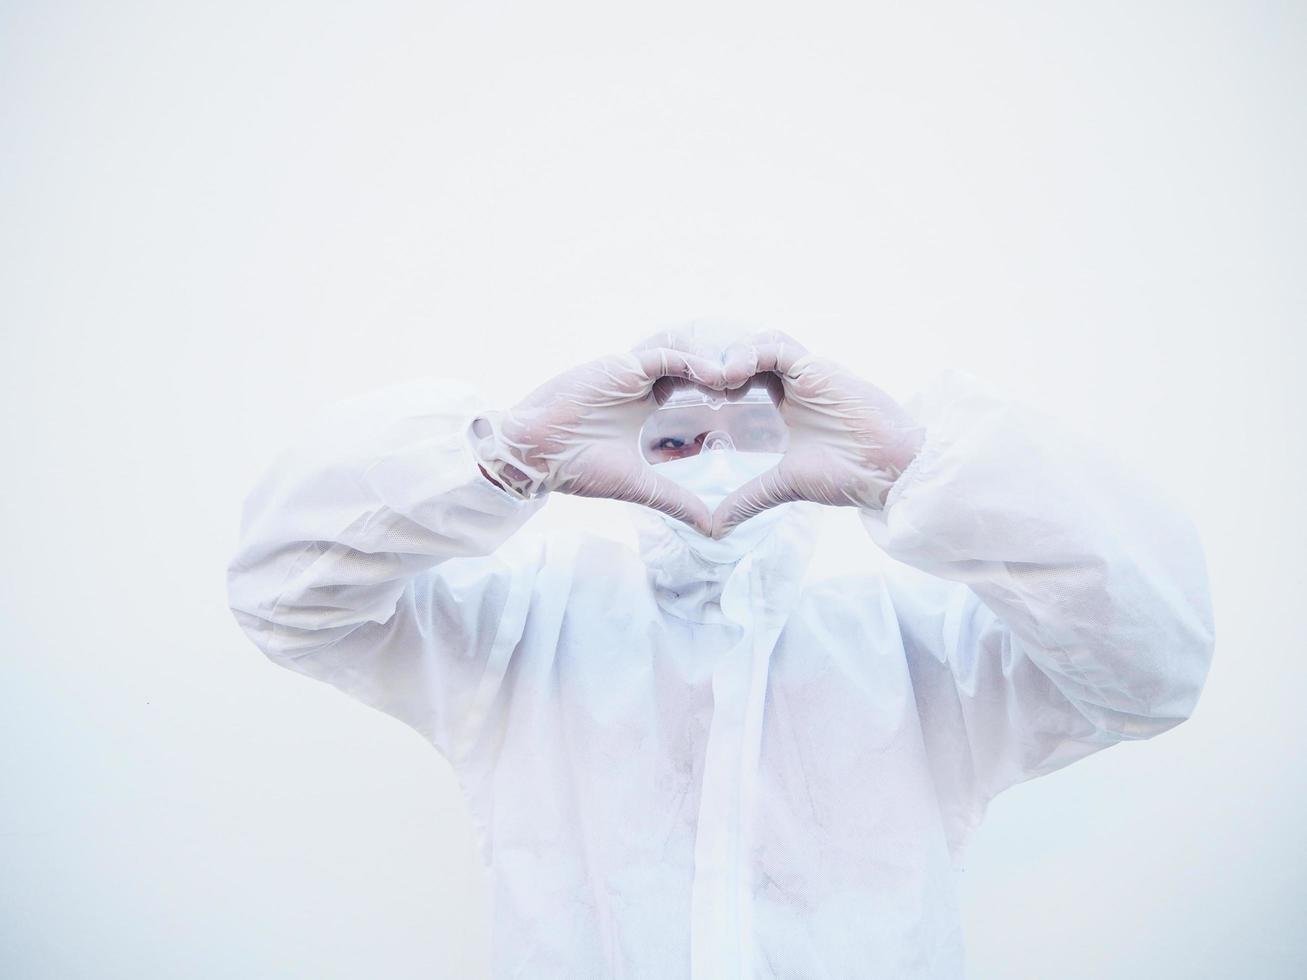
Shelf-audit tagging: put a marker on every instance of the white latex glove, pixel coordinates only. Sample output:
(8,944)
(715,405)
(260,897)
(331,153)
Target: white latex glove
(849,441)
(579,433)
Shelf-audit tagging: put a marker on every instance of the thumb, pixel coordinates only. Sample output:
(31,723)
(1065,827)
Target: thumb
(651,489)
(761,493)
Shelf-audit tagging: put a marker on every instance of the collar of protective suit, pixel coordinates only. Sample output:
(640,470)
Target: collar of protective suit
(756,588)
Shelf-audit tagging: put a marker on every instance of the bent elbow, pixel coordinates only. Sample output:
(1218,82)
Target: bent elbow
(1185,664)
(1164,692)
(283,631)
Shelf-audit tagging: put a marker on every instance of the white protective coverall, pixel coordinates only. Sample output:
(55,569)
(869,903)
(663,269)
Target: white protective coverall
(726,771)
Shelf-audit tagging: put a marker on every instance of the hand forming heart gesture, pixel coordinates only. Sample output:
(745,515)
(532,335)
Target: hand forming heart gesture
(578,433)
(849,441)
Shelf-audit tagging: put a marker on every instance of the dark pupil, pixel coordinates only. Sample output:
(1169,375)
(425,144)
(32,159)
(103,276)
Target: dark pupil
(670,442)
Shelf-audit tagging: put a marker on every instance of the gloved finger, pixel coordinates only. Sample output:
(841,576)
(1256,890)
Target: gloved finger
(779,357)
(682,339)
(763,492)
(651,489)
(739,364)
(667,362)
(758,353)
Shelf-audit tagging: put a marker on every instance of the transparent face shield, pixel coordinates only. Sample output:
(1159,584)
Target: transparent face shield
(694,420)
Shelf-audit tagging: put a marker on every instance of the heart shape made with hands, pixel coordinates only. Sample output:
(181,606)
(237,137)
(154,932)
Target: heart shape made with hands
(824,435)
(712,442)
(581,433)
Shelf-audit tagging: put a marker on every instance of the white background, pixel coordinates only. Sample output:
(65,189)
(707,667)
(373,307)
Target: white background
(217,218)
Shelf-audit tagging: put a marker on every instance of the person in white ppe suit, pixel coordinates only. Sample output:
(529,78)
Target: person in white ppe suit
(705,759)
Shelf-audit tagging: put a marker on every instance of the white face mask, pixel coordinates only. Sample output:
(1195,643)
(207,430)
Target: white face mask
(711,476)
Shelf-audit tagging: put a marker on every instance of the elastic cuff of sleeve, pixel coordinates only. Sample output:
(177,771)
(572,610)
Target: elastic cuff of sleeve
(920,464)
(485,437)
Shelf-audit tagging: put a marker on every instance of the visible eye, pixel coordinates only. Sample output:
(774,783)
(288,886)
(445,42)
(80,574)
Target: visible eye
(669,444)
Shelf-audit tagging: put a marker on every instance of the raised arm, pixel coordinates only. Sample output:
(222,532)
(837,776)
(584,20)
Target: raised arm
(344,568)
(1065,605)
(1054,604)
(369,552)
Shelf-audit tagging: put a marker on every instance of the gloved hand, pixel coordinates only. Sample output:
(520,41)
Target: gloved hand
(849,441)
(579,432)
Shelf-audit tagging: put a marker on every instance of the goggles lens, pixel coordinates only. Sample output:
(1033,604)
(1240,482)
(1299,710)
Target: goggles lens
(693,420)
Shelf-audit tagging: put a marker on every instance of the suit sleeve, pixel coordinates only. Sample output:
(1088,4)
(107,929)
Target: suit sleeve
(1052,603)
(370,558)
